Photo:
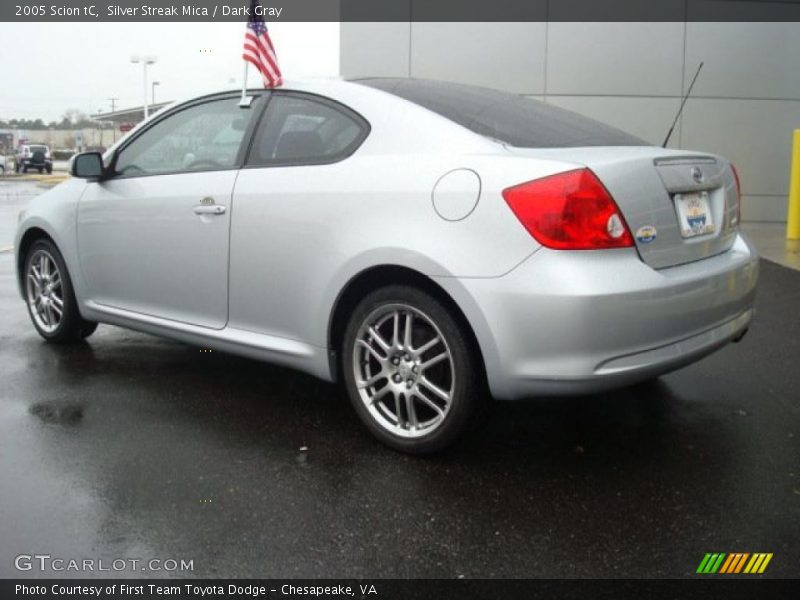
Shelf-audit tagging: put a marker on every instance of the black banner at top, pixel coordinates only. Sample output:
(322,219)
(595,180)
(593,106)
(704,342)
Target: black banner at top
(400,10)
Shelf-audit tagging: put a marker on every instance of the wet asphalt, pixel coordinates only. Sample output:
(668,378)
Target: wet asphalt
(129,446)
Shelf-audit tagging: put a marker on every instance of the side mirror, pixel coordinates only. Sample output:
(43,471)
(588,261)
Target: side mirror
(87,165)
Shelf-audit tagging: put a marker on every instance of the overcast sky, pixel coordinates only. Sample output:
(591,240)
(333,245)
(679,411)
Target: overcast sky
(50,67)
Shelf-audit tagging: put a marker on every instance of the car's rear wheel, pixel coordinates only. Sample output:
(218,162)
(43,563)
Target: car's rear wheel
(41,170)
(410,370)
(49,170)
(50,297)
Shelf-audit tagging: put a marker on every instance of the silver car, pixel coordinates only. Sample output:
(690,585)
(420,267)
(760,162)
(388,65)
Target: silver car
(428,244)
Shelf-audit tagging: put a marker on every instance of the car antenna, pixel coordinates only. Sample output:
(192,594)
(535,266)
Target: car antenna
(680,110)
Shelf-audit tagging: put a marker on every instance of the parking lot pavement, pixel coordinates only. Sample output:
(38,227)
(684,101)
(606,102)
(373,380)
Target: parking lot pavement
(129,446)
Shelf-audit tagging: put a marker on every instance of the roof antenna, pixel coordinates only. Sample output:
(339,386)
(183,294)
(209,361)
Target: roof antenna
(680,110)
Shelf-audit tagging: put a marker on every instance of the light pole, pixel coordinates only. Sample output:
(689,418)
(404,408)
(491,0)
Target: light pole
(113,125)
(155,83)
(145,60)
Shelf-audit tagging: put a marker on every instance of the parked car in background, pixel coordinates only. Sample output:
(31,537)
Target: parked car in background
(2,165)
(420,241)
(34,156)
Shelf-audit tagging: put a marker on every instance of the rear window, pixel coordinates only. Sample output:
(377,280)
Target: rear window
(38,148)
(510,118)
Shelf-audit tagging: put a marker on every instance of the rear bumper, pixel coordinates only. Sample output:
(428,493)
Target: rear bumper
(580,322)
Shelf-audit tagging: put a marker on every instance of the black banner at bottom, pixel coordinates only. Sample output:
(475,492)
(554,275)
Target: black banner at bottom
(400,589)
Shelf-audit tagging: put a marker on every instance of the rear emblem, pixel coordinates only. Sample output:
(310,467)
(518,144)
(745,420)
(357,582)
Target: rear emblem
(646,234)
(697,174)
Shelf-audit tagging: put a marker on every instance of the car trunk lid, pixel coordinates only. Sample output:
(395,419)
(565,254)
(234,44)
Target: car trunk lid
(680,206)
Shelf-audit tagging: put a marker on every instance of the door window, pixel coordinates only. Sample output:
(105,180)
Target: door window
(204,137)
(299,129)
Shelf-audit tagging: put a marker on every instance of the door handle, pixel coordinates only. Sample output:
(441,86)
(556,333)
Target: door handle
(209,209)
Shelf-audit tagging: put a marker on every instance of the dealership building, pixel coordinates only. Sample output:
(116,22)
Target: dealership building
(745,104)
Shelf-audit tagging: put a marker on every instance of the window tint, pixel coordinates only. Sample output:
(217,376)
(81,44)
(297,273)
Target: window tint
(204,137)
(512,119)
(304,130)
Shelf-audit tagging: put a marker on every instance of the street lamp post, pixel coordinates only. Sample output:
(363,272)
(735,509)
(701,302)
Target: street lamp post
(144,60)
(153,95)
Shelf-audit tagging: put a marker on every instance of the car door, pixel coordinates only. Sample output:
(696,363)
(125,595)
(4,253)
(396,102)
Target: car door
(153,237)
(286,202)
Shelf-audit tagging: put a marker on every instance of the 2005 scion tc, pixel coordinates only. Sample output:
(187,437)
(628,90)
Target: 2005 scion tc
(429,244)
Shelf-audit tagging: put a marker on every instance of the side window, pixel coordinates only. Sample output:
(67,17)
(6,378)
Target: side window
(305,130)
(204,137)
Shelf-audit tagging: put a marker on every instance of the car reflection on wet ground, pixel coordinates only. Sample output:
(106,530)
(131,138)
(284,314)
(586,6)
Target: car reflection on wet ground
(129,446)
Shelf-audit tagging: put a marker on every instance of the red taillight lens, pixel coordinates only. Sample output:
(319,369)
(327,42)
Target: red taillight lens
(569,211)
(738,194)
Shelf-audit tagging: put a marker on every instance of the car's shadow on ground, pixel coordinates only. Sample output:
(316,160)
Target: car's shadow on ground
(267,404)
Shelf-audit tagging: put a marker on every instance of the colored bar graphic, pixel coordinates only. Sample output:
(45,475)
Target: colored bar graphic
(727,564)
(764,564)
(741,562)
(703,563)
(734,563)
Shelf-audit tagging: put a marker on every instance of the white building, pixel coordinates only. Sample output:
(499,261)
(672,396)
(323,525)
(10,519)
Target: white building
(631,75)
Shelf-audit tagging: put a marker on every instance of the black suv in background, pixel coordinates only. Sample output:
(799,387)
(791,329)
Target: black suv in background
(33,156)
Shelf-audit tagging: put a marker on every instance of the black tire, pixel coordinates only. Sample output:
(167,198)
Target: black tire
(71,326)
(24,169)
(49,170)
(465,387)
(41,170)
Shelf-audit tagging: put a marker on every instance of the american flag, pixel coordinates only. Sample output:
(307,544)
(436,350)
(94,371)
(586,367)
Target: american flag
(258,49)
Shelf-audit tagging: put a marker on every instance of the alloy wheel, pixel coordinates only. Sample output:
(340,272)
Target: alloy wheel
(404,370)
(45,291)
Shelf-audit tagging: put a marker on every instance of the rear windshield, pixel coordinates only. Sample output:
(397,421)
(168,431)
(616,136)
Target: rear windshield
(512,119)
(38,148)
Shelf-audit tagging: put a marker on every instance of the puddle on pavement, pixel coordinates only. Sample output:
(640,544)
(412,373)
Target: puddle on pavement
(60,413)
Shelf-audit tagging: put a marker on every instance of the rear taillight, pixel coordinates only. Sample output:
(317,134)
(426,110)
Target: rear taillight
(569,211)
(738,194)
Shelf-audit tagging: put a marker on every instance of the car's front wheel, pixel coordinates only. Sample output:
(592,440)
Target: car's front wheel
(50,297)
(410,370)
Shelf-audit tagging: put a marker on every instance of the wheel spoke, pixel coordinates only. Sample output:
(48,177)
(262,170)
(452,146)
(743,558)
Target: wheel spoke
(380,394)
(408,330)
(411,411)
(371,381)
(35,282)
(380,341)
(57,309)
(398,408)
(371,350)
(396,329)
(435,360)
(435,389)
(428,402)
(55,280)
(427,346)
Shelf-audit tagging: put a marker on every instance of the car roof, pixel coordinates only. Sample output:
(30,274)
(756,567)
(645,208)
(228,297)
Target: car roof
(511,118)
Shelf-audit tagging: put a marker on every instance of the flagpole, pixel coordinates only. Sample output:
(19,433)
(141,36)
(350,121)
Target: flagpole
(244,84)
